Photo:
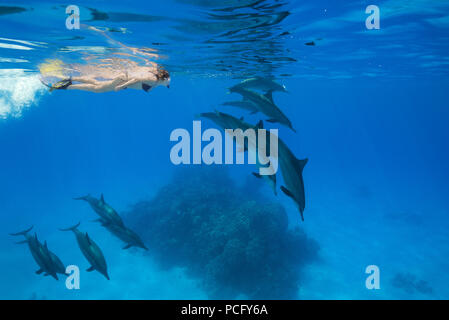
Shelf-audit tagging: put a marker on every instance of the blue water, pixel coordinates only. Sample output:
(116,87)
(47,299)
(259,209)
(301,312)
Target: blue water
(369,106)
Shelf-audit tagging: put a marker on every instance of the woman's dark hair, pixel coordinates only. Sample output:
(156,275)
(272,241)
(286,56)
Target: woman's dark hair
(162,74)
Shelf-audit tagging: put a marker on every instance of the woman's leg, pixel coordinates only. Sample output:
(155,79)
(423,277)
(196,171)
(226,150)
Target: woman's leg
(98,86)
(84,86)
(85,80)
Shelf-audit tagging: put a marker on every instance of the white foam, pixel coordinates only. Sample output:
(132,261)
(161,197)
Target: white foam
(12,60)
(18,90)
(14,46)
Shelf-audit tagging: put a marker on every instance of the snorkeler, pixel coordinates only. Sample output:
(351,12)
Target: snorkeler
(129,68)
(138,77)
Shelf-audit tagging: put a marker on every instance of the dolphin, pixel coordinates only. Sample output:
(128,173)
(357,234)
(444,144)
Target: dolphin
(292,169)
(260,83)
(227,121)
(125,234)
(90,250)
(104,210)
(39,252)
(264,104)
(245,104)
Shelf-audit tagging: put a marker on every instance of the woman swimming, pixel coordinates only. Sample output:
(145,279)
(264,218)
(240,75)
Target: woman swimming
(107,73)
(138,77)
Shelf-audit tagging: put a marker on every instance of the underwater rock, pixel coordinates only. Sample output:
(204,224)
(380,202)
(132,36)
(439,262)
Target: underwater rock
(236,242)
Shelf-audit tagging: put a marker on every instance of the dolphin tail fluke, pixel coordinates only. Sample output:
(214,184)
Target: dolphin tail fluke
(21,233)
(71,228)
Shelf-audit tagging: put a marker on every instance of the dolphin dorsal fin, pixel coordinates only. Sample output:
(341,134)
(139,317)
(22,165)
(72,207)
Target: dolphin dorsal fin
(241,119)
(269,95)
(259,125)
(102,198)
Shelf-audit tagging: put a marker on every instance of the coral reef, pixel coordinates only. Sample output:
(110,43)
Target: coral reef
(233,239)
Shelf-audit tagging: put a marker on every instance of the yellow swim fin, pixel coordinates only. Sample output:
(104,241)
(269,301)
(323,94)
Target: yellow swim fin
(63,84)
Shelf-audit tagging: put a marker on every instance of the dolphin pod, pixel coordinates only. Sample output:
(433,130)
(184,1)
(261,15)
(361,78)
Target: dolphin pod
(110,219)
(48,262)
(253,101)
(90,250)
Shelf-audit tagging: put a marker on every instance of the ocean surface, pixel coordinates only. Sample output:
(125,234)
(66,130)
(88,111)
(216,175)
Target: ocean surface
(370,107)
